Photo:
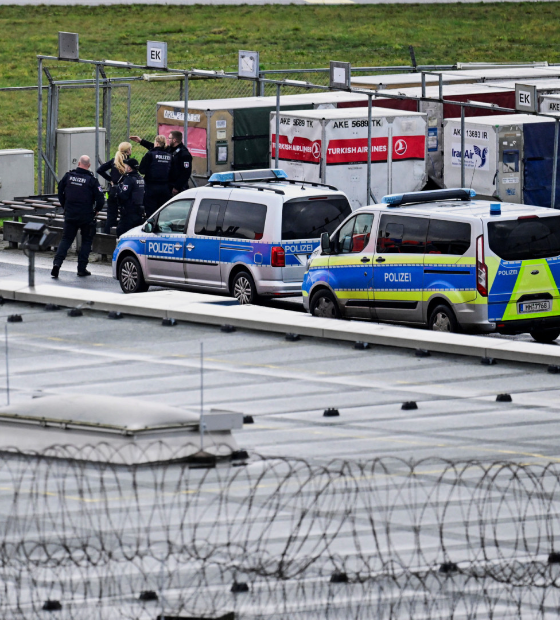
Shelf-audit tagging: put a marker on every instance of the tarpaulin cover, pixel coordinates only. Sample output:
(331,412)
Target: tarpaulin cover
(251,137)
(538,146)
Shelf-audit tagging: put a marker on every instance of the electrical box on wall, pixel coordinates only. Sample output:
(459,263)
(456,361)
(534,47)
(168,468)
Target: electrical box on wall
(74,142)
(17,173)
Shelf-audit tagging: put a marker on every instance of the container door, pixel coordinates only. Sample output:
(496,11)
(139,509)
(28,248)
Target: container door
(510,173)
(523,259)
(351,267)
(202,250)
(399,268)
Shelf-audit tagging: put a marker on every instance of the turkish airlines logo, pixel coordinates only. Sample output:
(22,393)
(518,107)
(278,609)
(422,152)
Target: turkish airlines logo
(316,150)
(400,147)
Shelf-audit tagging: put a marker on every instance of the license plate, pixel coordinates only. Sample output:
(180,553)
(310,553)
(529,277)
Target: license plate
(528,307)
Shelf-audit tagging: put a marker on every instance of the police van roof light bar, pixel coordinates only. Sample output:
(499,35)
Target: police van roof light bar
(267,174)
(395,200)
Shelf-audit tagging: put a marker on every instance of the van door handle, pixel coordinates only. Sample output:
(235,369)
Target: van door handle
(178,246)
(365,259)
(380,259)
(190,247)
(142,240)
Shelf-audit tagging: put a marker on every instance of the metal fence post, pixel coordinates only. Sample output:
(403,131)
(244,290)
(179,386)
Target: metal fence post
(109,112)
(40,125)
(186,120)
(390,160)
(96,117)
(554,166)
(277,145)
(368,198)
(462,145)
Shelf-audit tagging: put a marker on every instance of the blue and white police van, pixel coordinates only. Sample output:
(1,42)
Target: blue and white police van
(248,233)
(445,260)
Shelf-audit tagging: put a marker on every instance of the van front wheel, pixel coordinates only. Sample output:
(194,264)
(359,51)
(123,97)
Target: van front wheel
(323,304)
(442,319)
(546,336)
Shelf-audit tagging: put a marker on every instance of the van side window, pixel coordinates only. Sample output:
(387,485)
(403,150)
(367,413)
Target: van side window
(445,237)
(209,216)
(400,234)
(354,236)
(244,220)
(173,217)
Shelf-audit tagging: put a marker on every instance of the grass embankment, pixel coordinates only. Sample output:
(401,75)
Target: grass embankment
(286,36)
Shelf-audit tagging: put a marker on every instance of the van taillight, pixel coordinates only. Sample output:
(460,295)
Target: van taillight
(481,269)
(278,256)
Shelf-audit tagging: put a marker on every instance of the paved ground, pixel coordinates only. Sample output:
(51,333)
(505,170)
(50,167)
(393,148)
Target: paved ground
(287,385)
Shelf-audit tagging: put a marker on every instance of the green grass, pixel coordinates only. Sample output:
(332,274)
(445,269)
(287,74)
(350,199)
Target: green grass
(286,36)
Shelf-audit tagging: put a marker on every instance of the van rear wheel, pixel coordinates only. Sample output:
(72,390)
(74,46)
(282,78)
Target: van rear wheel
(323,304)
(243,288)
(546,336)
(442,319)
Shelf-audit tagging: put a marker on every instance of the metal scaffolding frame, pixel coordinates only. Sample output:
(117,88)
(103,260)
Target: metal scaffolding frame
(101,81)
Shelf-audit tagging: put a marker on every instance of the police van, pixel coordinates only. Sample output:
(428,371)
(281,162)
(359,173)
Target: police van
(248,233)
(445,260)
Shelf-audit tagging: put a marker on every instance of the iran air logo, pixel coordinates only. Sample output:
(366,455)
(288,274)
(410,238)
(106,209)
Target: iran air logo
(481,153)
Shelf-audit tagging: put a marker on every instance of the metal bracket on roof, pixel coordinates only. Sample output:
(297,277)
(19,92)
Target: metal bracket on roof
(245,186)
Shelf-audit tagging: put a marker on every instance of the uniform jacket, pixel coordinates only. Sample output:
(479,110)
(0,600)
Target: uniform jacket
(130,193)
(181,165)
(155,166)
(80,195)
(110,172)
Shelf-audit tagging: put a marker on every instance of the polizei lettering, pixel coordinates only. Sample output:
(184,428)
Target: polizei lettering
(155,247)
(78,179)
(398,277)
(303,248)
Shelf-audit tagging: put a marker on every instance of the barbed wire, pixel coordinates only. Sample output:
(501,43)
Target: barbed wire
(431,537)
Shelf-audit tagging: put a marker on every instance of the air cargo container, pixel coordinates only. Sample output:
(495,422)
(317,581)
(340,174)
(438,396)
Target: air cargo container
(330,146)
(232,134)
(436,112)
(506,157)
(469,76)
(550,104)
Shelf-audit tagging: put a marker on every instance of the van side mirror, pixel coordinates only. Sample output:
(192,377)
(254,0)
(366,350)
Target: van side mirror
(325,243)
(148,227)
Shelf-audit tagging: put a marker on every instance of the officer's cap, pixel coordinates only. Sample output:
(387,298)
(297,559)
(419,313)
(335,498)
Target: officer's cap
(133,163)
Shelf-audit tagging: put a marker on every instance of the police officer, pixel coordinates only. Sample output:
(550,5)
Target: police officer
(130,194)
(155,167)
(181,161)
(112,171)
(81,197)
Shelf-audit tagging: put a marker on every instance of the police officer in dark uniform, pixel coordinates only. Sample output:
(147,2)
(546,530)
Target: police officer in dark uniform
(112,171)
(130,194)
(181,161)
(82,198)
(155,167)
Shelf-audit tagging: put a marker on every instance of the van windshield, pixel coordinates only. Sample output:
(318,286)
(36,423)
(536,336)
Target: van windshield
(309,218)
(525,238)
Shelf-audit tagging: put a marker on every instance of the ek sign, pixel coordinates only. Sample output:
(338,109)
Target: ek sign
(157,55)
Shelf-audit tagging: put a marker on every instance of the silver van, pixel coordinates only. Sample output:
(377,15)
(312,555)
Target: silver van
(248,233)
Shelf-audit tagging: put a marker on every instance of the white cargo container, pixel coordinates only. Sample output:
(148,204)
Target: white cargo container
(17,175)
(508,157)
(484,93)
(330,146)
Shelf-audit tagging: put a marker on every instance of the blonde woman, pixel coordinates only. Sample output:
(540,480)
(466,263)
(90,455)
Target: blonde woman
(112,171)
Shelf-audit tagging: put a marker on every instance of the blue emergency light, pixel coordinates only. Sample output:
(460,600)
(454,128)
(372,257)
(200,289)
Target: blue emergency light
(495,208)
(394,200)
(267,174)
